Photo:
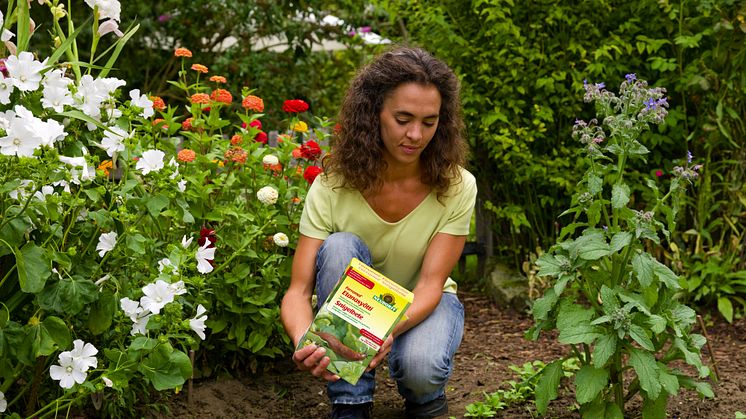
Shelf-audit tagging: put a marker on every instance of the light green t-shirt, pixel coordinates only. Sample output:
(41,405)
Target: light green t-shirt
(397,249)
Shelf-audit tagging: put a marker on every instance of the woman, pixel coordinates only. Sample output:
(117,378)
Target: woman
(394,194)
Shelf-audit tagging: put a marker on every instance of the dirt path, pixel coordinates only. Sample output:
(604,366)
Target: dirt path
(493,340)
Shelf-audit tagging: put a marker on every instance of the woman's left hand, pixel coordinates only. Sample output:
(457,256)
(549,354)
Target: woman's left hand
(382,352)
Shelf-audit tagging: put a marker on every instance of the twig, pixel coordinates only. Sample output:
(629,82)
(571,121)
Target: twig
(191,379)
(709,347)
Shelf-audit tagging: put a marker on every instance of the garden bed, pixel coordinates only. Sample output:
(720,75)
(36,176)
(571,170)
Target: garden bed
(493,341)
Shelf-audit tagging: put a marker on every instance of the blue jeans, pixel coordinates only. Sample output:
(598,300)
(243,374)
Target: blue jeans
(421,359)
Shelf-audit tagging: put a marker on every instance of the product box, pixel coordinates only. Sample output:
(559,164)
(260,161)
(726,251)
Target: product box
(356,318)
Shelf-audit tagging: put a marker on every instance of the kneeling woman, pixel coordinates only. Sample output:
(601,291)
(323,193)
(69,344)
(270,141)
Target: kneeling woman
(395,195)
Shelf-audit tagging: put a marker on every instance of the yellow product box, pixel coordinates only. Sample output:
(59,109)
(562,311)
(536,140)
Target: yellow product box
(356,318)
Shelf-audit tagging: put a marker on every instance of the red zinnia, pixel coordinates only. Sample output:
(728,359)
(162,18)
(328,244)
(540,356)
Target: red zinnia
(253,103)
(310,174)
(256,124)
(158,103)
(222,95)
(261,137)
(295,106)
(310,150)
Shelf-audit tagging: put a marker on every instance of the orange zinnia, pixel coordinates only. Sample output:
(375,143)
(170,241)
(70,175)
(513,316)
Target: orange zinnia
(200,68)
(187,124)
(183,52)
(218,79)
(105,166)
(236,139)
(202,98)
(186,155)
(160,122)
(222,95)
(253,103)
(158,103)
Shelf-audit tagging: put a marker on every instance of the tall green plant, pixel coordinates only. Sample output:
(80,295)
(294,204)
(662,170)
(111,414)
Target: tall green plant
(611,300)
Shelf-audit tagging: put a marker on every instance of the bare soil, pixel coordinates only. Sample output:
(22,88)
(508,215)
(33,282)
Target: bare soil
(493,340)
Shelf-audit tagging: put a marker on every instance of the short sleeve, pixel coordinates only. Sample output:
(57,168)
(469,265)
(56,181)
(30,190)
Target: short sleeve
(315,221)
(461,206)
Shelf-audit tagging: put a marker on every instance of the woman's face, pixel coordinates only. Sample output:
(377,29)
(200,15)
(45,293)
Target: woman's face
(409,118)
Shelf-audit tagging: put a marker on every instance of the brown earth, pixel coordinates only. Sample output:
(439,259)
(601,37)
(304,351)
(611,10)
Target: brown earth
(493,340)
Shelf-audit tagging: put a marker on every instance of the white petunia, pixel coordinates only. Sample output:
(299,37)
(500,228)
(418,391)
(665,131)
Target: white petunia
(204,255)
(25,71)
(267,195)
(3,402)
(107,381)
(182,185)
(84,353)
(151,161)
(157,295)
(142,102)
(270,160)
(140,325)
(6,88)
(198,322)
(165,263)
(113,141)
(73,161)
(281,239)
(56,98)
(106,243)
(68,372)
(131,308)
(186,242)
(107,9)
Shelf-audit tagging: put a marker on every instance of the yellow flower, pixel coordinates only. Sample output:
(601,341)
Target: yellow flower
(300,127)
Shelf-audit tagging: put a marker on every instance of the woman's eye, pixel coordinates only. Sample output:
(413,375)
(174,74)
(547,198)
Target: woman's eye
(401,122)
(429,124)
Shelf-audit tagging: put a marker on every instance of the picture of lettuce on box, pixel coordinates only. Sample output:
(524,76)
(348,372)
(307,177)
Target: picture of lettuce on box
(356,318)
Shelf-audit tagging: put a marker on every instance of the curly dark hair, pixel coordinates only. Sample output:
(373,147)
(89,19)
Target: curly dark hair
(357,149)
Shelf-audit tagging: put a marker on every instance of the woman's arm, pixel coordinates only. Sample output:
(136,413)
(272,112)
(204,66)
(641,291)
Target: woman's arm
(440,258)
(296,312)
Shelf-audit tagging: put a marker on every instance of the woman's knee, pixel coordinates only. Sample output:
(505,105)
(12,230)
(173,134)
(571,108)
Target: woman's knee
(342,246)
(422,373)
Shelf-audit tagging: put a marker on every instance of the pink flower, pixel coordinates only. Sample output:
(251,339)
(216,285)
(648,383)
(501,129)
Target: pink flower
(658,173)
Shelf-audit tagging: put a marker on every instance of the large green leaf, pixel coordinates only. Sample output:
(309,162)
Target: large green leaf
(725,307)
(33,268)
(642,265)
(547,385)
(574,324)
(47,336)
(156,204)
(592,246)
(589,382)
(640,336)
(542,306)
(102,313)
(647,371)
(666,275)
(166,371)
(68,295)
(619,241)
(655,408)
(549,265)
(604,349)
(619,195)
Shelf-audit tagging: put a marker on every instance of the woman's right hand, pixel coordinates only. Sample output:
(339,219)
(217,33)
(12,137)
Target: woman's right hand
(313,358)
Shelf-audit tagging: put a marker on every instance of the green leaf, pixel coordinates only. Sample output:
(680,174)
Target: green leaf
(547,385)
(102,313)
(156,204)
(620,241)
(600,409)
(592,246)
(166,371)
(47,337)
(574,324)
(665,275)
(701,387)
(33,268)
(647,371)
(589,382)
(595,184)
(548,265)
(640,336)
(68,295)
(725,307)
(655,408)
(669,382)
(642,265)
(609,300)
(135,242)
(619,195)
(604,349)
(24,26)
(657,323)
(542,306)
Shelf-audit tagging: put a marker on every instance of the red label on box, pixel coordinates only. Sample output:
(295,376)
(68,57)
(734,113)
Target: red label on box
(371,336)
(359,278)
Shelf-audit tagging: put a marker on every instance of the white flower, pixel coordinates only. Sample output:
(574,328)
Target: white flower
(22,135)
(198,322)
(92,93)
(56,98)
(106,242)
(151,161)
(84,353)
(110,25)
(142,102)
(157,295)
(25,71)
(182,185)
(204,256)
(165,263)
(113,141)
(107,381)
(68,372)
(3,402)
(44,192)
(178,288)
(106,8)
(281,239)
(140,324)
(73,161)
(267,195)
(56,79)
(186,242)
(6,88)
(131,308)
(102,280)
(270,160)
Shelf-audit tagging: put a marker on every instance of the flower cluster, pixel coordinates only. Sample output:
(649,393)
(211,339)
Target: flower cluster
(295,106)
(74,364)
